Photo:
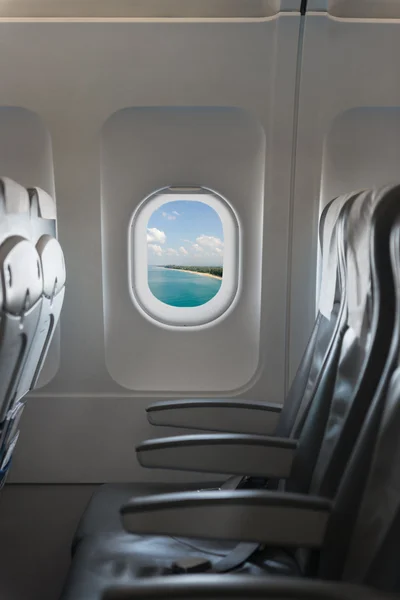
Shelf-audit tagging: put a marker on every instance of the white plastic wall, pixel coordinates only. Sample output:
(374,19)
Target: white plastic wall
(357,9)
(348,130)
(223,149)
(74,75)
(147,9)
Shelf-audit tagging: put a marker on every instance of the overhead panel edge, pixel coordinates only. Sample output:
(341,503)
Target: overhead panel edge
(356,9)
(147,9)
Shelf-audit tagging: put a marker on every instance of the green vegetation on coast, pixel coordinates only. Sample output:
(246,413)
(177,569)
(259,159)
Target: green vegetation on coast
(215,271)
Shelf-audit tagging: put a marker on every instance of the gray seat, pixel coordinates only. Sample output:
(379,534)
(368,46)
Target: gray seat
(279,519)
(103,509)
(52,263)
(22,291)
(32,280)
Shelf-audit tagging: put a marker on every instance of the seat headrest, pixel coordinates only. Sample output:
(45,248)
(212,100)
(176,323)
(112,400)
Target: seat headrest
(358,257)
(21,275)
(42,203)
(15,196)
(330,255)
(53,266)
(1,293)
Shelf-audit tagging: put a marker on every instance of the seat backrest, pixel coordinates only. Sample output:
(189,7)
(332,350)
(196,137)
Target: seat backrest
(363,540)
(342,400)
(32,282)
(22,289)
(53,269)
(330,319)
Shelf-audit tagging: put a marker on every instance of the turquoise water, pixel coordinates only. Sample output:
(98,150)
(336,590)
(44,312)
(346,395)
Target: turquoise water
(180,288)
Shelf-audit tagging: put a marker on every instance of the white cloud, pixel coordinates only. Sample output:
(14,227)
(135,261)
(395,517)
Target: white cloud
(174,212)
(209,241)
(155,249)
(168,216)
(205,249)
(211,245)
(155,235)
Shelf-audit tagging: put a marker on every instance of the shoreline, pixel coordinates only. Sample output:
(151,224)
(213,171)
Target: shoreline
(195,273)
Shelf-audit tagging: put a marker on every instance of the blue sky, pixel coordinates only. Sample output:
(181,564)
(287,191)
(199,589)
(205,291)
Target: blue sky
(185,233)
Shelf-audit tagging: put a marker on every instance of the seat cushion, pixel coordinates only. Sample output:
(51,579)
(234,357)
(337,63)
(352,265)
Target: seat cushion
(102,513)
(104,555)
(110,559)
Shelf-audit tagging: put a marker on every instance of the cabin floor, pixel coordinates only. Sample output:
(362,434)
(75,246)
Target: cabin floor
(37,523)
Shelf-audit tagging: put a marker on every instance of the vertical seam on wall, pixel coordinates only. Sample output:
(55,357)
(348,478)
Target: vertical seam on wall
(292,193)
(303,7)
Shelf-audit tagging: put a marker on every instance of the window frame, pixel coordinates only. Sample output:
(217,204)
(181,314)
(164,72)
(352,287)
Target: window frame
(183,317)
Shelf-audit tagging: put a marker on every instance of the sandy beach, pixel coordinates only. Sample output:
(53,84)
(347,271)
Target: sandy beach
(196,273)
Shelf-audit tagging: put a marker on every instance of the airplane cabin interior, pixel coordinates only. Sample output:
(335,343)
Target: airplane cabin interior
(199,299)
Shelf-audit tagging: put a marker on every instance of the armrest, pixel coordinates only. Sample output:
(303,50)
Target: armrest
(216,415)
(240,587)
(272,518)
(231,453)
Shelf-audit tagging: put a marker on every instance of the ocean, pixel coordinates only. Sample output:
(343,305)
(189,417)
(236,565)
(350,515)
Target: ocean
(180,288)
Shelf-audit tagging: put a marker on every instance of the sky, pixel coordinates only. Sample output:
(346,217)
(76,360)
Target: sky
(186,233)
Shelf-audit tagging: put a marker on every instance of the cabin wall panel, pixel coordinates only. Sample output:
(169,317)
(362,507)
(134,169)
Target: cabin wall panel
(223,149)
(348,136)
(82,427)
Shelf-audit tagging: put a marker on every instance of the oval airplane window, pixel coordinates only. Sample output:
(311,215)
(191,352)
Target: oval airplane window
(184,256)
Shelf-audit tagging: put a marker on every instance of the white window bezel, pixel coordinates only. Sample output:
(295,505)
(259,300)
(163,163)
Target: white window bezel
(144,300)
